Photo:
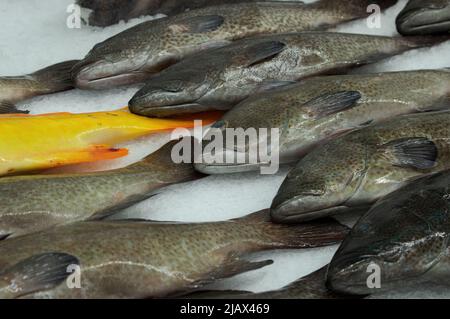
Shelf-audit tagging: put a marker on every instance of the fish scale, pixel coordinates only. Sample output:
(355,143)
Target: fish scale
(392,154)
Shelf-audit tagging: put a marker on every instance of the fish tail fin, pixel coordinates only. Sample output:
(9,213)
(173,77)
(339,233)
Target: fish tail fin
(57,77)
(37,273)
(306,235)
(424,41)
(9,108)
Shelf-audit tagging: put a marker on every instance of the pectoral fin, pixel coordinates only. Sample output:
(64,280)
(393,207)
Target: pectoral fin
(200,24)
(418,153)
(261,52)
(37,273)
(332,103)
(9,108)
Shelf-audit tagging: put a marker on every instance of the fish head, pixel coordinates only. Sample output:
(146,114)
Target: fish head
(171,93)
(242,140)
(399,241)
(322,182)
(116,62)
(425,17)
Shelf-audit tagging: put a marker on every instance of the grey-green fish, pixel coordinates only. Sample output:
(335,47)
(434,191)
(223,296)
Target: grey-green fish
(355,170)
(130,259)
(133,55)
(421,17)
(308,287)
(221,78)
(33,203)
(55,78)
(403,240)
(319,109)
(108,12)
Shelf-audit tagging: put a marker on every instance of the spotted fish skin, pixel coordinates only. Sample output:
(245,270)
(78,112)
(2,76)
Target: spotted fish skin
(131,259)
(221,78)
(353,171)
(303,126)
(134,54)
(36,202)
(405,234)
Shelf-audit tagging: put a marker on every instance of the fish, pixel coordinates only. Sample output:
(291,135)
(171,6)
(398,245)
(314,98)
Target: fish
(37,142)
(422,17)
(319,109)
(220,78)
(354,171)
(311,286)
(144,259)
(108,12)
(52,79)
(31,203)
(135,54)
(402,239)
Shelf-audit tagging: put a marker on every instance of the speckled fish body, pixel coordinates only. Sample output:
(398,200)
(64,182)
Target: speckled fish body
(405,235)
(319,109)
(146,259)
(133,55)
(108,12)
(35,202)
(221,78)
(357,169)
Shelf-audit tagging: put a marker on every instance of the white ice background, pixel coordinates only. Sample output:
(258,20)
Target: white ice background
(34,34)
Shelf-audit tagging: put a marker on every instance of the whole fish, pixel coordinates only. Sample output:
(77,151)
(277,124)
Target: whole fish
(33,142)
(319,109)
(404,238)
(129,259)
(355,170)
(134,54)
(52,79)
(108,12)
(424,17)
(308,287)
(33,203)
(221,78)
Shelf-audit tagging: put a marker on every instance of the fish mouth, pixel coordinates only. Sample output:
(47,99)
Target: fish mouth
(89,75)
(223,167)
(140,108)
(348,274)
(291,211)
(424,21)
(219,169)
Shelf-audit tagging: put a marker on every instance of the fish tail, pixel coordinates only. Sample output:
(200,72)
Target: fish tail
(39,272)
(306,235)
(57,77)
